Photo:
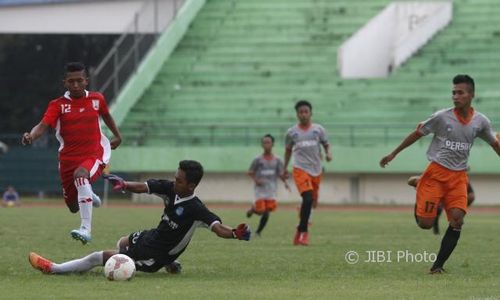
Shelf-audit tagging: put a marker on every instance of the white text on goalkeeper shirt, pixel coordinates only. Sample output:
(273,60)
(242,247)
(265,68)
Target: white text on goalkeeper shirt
(170,223)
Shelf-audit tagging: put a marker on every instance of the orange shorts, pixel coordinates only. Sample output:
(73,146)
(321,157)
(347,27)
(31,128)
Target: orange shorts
(305,182)
(439,184)
(262,205)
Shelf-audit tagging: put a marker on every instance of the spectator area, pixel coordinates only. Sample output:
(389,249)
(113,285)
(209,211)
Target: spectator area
(242,65)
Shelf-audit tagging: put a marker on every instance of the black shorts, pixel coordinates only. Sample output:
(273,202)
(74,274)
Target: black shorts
(147,259)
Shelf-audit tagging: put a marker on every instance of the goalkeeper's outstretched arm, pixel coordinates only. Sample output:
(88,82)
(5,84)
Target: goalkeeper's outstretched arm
(241,232)
(119,184)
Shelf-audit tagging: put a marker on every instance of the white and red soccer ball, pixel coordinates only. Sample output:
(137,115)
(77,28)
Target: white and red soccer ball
(119,267)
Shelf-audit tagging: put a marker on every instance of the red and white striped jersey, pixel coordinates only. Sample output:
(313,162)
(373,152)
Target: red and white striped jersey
(76,122)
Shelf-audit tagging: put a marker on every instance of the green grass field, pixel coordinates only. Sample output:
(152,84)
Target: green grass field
(264,268)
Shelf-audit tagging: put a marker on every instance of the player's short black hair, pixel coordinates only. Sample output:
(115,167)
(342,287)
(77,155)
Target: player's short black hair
(192,169)
(268,136)
(75,67)
(463,78)
(301,103)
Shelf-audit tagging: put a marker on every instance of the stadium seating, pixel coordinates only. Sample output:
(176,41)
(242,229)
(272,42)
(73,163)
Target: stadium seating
(243,64)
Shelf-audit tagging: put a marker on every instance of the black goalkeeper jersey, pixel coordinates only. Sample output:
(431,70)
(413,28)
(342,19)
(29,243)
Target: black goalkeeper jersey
(181,216)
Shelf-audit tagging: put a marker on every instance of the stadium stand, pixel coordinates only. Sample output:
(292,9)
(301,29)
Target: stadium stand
(242,65)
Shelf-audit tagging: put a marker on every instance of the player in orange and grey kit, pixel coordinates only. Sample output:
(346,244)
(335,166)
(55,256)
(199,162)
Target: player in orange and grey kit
(265,171)
(471,196)
(445,179)
(304,140)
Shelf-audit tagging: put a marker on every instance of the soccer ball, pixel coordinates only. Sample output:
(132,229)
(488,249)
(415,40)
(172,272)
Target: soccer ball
(119,267)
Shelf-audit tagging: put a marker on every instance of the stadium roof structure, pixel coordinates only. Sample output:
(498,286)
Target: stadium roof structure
(46,16)
(30,2)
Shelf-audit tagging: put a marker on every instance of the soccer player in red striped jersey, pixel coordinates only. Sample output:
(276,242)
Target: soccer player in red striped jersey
(84,150)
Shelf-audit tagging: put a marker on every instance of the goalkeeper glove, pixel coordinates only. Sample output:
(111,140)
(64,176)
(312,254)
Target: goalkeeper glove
(242,232)
(118,183)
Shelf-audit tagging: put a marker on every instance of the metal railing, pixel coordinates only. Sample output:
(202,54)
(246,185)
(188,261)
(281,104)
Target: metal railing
(13,140)
(241,134)
(132,46)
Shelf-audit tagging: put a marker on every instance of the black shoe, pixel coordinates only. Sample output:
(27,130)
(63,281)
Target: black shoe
(174,268)
(437,270)
(435,228)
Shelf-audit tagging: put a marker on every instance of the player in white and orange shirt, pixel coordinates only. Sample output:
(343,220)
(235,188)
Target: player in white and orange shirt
(445,179)
(265,171)
(84,150)
(303,141)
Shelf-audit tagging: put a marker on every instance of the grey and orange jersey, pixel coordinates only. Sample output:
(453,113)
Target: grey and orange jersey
(267,171)
(305,145)
(452,141)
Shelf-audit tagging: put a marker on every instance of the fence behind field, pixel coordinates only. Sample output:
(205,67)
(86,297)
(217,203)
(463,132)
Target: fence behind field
(132,46)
